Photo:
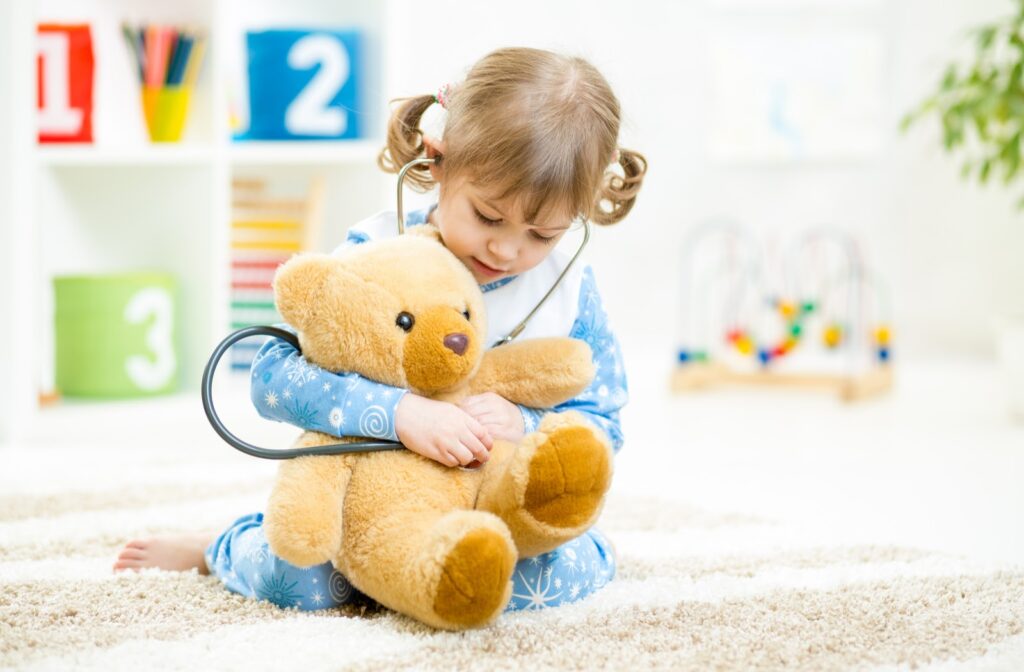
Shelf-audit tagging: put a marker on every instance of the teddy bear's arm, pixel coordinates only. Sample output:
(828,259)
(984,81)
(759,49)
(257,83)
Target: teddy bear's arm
(541,372)
(303,517)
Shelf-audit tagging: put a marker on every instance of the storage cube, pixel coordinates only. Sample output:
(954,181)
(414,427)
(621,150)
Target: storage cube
(116,335)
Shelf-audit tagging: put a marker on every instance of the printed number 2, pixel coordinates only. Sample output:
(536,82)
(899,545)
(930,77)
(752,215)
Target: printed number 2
(57,115)
(309,113)
(147,373)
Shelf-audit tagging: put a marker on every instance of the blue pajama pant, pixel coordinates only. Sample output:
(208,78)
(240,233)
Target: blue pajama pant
(241,558)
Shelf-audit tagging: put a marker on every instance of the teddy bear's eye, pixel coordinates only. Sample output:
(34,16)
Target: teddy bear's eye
(465,314)
(405,321)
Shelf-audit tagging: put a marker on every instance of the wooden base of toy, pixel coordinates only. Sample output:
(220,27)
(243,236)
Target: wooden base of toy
(696,376)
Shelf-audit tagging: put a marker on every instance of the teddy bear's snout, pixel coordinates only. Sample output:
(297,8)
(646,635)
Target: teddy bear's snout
(457,343)
(441,351)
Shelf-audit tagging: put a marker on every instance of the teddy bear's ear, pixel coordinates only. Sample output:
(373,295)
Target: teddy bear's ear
(425,231)
(302,284)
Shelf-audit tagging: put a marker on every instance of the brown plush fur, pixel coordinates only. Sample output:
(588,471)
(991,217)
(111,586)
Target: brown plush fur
(436,543)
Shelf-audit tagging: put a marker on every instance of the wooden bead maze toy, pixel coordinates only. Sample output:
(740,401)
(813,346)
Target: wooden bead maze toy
(812,318)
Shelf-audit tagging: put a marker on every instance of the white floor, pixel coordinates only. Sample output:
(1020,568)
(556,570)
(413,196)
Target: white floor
(937,464)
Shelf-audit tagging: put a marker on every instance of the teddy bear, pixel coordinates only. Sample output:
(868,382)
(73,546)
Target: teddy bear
(438,544)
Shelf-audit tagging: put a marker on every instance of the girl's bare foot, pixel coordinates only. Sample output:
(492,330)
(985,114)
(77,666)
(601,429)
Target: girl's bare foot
(178,553)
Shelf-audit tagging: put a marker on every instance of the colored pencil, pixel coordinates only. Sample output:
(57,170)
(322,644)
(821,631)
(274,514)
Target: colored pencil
(165,56)
(131,38)
(195,61)
(182,52)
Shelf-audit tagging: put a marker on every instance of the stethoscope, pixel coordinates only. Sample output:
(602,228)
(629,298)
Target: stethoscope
(206,388)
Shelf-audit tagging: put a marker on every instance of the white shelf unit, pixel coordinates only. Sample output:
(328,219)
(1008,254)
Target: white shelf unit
(123,203)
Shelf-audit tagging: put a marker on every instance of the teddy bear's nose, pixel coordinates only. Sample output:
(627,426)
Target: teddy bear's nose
(457,343)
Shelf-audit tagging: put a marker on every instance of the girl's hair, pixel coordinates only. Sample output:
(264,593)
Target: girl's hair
(529,124)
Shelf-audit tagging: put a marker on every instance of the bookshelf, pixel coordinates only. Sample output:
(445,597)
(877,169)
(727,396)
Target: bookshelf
(123,203)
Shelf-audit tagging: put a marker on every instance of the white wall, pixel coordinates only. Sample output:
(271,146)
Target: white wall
(951,252)
(5,199)
(15,135)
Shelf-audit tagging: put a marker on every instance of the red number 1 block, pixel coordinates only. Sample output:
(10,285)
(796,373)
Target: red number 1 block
(64,71)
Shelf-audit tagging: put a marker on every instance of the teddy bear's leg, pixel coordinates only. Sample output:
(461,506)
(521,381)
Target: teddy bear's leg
(550,487)
(303,517)
(450,570)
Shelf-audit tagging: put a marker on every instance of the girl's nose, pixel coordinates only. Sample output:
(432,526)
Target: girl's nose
(502,249)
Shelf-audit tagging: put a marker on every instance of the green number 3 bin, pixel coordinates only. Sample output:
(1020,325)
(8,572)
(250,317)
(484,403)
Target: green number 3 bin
(116,335)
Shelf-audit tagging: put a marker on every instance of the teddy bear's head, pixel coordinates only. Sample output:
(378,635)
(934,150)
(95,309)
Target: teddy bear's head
(404,312)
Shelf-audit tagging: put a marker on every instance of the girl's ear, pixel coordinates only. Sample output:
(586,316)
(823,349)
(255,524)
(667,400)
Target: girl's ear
(434,150)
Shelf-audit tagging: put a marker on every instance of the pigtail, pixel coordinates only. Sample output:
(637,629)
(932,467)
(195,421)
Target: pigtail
(617,194)
(405,141)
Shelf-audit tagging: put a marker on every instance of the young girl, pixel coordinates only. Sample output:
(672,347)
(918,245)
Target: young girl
(528,145)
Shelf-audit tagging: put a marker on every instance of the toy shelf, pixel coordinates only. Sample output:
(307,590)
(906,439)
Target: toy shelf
(123,203)
(170,155)
(356,152)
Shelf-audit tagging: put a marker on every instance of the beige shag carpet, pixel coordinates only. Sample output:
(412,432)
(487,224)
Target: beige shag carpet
(696,590)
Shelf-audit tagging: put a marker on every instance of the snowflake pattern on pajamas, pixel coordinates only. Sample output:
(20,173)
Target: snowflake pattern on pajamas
(241,558)
(349,406)
(299,372)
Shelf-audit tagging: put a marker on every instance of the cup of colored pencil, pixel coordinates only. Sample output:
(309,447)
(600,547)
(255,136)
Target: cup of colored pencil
(167,61)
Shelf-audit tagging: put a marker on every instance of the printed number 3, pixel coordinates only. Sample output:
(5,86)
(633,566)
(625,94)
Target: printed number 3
(147,373)
(309,113)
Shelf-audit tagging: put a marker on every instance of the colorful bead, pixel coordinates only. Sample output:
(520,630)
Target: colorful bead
(833,335)
(745,345)
(764,356)
(882,335)
(788,309)
(883,354)
(684,356)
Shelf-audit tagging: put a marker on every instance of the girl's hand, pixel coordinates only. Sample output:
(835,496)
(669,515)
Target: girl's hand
(440,431)
(498,416)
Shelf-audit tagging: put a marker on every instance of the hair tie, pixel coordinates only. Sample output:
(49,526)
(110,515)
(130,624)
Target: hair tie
(443,95)
(616,156)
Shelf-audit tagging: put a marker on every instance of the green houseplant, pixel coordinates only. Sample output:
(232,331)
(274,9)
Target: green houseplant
(980,104)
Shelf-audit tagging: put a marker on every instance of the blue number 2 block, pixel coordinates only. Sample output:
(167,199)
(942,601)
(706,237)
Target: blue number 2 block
(304,84)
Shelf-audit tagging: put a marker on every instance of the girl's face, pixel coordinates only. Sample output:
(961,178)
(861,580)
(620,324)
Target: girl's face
(489,236)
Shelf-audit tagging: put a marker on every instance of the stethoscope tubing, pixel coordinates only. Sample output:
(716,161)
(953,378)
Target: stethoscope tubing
(269,453)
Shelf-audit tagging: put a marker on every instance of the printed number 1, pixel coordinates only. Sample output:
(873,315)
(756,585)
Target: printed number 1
(57,115)
(309,113)
(147,373)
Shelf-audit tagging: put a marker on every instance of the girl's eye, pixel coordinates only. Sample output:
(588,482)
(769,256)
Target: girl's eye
(547,240)
(486,220)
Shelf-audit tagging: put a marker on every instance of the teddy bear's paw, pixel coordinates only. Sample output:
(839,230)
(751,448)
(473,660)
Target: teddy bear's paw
(569,474)
(474,584)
